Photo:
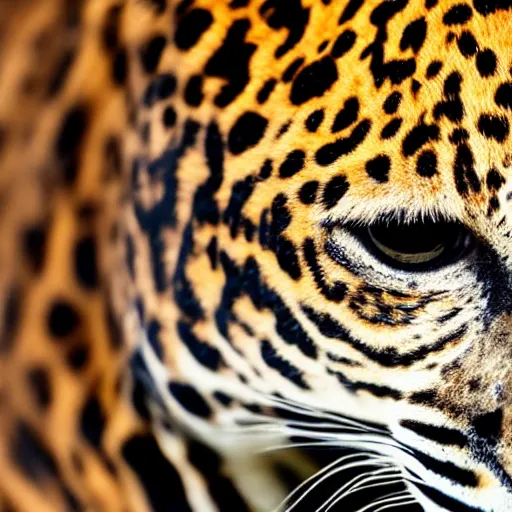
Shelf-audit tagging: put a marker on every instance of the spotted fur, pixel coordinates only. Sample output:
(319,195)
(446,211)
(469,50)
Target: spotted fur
(180,280)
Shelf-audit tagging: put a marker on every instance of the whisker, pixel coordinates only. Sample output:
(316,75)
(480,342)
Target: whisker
(318,474)
(388,499)
(340,494)
(411,501)
(300,408)
(370,460)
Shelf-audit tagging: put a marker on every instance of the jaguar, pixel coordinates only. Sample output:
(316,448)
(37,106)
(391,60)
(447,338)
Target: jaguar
(255,255)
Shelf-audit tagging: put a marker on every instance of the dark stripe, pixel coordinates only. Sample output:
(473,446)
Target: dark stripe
(221,488)
(184,294)
(190,399)
(160,479)
(331,328)
(248,281)
(335,292)
(374,389)
(441,435)
(284,367)
(449,470)
(205,354)
(444,501)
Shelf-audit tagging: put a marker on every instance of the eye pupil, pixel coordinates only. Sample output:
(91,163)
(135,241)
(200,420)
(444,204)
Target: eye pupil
(416,246)
(409,239)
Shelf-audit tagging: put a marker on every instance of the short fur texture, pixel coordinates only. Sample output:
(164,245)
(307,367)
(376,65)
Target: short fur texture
(180,280)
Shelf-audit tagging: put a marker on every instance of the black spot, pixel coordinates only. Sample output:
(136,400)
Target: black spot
(222,397)
(418,137)
(313,81)
(190,399)
(378,168)
(150,53)
(486,63)
(249,230)
(191,27)
(266,170)
(203,352)
(395,70)
(329,153)
(78,357)
(391,129)
(266,90)
(145,132)
(287,258)
(164,86)
(153,335)
(414,35)
(426,164)
(212,250)
(110,33)
(85,263)
(293,164)
(494,180)
(451,106)
(459,135)
(314,120)
(322,46)
(29,453)
(69,139)
(194,91)
(346,116)
(237,4)
(34,246)
(38,380)
(334,190)
(231,62)
(120,66)
(350,11)
(247,131)
(161,481)
(489,425)
(307,193)
(63,319)
(343,43)
(467,44)
(458,15)
(241,191)
(433,68)
(113,160)
(429,4)
(60,74)
(464,171)
(284,367)
(494,205)
(290,15)
(493,126)
(503,97)
(169,117)
(92,421)
(392,102)
(415,87)
(284,128)
(292,69)
(11,317)
(486,7)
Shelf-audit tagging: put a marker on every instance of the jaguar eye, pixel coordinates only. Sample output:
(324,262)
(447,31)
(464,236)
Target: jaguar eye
(422,245)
